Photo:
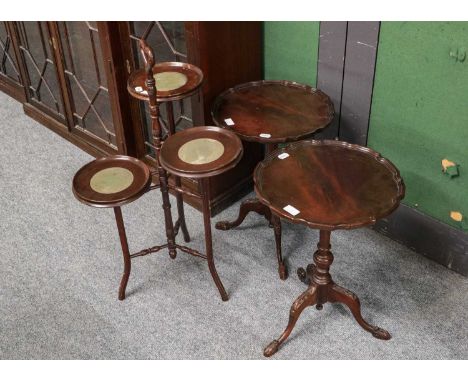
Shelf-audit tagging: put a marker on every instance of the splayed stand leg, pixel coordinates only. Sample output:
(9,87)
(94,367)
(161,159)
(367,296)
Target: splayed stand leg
(322,289)
(125,252)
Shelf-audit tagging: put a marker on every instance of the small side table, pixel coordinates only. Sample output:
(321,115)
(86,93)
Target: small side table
(327,185)
(112,182)
(202,152)
(270,112)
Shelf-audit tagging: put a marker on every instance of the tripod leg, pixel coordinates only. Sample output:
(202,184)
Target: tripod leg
(208,238)
(340,294)
(282,270)
(308,298)
(248,205)
(125,251)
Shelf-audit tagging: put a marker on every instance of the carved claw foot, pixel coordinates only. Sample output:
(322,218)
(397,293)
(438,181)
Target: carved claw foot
(302,274)
(283,271)
(310,270)
(271,349)
(340,294)
(305,275)
(223,225)
(380,333)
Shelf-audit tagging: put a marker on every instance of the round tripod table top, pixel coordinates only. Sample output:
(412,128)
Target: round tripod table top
(111,181)
(201,152)
(328,184)
(273,111)
(174,80)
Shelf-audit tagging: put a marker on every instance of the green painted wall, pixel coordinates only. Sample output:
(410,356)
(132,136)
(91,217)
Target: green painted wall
(291,51)
(420,111)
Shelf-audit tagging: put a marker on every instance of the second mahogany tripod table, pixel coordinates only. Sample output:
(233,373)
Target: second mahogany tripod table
(270,113)
(327,185)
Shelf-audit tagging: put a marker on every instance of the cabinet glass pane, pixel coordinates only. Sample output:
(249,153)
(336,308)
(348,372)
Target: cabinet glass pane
(8,64)
(42,83)
(167,38)
(87,82)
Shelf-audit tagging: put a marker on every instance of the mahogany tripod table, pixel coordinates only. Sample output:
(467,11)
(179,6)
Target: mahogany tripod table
(327,185)
(270,113)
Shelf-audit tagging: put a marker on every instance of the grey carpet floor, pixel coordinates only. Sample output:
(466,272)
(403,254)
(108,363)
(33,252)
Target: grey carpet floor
(60,266)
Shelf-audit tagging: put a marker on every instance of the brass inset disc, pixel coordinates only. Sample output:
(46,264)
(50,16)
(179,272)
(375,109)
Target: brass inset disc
(111,180)
(166,81)
(201,151)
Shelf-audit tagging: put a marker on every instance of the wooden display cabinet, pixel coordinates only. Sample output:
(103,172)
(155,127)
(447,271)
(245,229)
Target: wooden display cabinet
(72,76)
(10,76)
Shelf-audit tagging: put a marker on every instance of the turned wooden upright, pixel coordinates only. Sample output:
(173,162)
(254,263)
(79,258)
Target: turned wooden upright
(209,150)
(327,185)
(178,80)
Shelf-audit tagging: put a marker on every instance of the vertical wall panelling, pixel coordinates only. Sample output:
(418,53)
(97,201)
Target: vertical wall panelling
(358,80)
(420,114)
(419,117)
(331,59)
(427,236)
(290,51)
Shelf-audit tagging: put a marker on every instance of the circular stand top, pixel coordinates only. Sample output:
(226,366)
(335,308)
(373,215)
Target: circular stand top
(174,80)
(201,152)
(273,111)
(329,184)
(111,181)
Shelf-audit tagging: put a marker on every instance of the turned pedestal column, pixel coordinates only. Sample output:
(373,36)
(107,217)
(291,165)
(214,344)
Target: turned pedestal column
(327,185)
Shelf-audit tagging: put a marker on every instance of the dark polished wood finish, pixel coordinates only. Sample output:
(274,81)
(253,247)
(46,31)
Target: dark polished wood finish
(84,192)
(180,223)
(148,58)
(140,184)
(194,81)
(168,161)
(214,48)
(144,81)
(228,53)
(270,112)
(72,78)
(286,111)
(205,191)
(332,185)
(125,252)
(171,161)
